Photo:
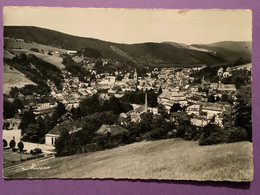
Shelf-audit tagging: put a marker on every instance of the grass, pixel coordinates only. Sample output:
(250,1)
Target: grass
(54,60)
(14,78)
(164,159)
(12,157)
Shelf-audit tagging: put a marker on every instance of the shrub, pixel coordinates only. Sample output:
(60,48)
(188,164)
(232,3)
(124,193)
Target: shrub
(92,147)
(4,143)
(12,143)
(182,127)
(20,146)
(237,134)
(172,133)
(190,133)
(212,134)
(35,151)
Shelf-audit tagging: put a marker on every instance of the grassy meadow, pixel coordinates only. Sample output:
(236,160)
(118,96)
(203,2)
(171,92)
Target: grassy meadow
(14,78)
(164,159)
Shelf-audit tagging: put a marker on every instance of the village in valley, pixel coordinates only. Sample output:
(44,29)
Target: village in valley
(61,102)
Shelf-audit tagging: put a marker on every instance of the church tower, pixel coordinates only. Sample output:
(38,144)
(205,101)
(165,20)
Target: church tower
(135,76)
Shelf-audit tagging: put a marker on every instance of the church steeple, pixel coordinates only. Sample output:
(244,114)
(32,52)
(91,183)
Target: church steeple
(135,76)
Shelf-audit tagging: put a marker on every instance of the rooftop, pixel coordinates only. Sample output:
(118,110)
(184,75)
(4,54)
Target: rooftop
(113,129)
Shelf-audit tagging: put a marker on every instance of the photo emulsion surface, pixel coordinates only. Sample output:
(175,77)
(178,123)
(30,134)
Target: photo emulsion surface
(127,94)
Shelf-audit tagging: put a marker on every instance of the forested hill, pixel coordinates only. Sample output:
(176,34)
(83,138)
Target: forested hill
(143,53)
(230,50)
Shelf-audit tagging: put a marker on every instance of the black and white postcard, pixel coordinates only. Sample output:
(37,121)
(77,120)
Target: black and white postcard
(127,94)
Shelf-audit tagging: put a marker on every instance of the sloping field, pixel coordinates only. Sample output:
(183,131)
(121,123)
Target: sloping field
(15,43)
(14,78)
(55,60)
(164,159)
(8,55)
(249,65)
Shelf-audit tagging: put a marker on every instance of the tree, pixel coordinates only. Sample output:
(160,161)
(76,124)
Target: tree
(163,111)
(6,125)
(126,106)
(182,127)
(27,118)
(115,105)
(211,98)
(73,111)
(9,110)
(237,134)
(47,123)
(89,105)
(176,107)
(17,104)
(33,133)
(5,143)
(60,110)
(12,143)
(20,146)
(98,66)
(23,57)
(106,106)
(14,92)
(213,134)
(243,110)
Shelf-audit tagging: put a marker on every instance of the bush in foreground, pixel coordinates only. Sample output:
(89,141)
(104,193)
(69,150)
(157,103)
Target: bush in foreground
(237,134)
(212,134)
(4,143)
(12,144)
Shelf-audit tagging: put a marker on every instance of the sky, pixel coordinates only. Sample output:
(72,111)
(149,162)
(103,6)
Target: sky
(138,25)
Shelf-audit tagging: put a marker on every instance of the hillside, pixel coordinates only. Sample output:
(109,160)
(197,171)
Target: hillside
(54,60)
(14,78)
(229,50)
(14,43)
(144,53)
(240,46)
(163,159)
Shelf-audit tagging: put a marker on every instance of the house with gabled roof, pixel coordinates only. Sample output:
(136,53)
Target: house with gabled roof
(55,133)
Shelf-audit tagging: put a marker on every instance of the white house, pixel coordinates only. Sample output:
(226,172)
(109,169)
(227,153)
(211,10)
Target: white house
(194,109)
(55,133)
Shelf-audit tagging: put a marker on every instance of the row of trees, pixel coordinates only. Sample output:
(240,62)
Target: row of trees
(93,104)
(12,144)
